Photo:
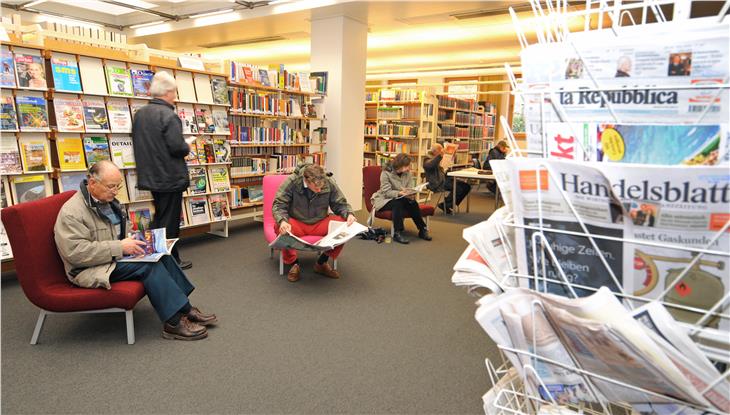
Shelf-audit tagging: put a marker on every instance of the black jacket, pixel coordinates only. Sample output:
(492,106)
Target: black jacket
(159,148)
(494,154)
(435,175)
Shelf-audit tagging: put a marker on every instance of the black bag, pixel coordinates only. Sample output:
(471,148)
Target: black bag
(374,234)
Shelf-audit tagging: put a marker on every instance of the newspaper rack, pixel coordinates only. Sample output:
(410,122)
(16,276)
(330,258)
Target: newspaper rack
(510,393)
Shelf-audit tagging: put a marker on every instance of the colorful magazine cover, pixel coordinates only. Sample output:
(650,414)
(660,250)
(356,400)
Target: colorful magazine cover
(187,117)
(32,113)
(7,69)
(65,75)
(31,71)
(119,81)
(219,209)
(198,181)
(69,115)
(96,149)
(95,116)
(8,115)
(122,151)
(70,153)
(29,188)
(219,87)
(34,153)
(141,81)
(120,120)
(9,156)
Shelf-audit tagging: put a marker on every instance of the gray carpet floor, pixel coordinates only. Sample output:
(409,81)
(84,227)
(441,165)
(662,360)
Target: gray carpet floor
(392,336)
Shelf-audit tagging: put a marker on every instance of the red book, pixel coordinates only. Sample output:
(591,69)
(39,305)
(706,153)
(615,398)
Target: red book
(248,74)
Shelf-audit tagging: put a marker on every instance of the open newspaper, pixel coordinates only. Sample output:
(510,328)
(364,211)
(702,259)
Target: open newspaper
(156,245)
(414,190)
(673,208)
(610,345)
(448,157)
(651,75)
(337,234)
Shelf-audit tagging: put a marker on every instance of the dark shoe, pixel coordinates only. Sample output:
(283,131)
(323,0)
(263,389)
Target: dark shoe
(444,208)
(423,234)
(326,270)
(185,330)
(196,316)
(294,272)
(185,264)
(400,238)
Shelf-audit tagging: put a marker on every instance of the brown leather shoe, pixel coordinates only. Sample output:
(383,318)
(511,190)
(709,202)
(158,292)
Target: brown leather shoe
(294,272)
(326,270)
(196,316)
(185,330)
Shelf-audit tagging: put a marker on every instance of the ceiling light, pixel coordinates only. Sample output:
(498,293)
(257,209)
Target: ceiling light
(32,3)
(68,21)
(137,26)
(213,13)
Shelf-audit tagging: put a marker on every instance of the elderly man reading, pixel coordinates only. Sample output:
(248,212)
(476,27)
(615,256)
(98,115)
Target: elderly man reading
(301,207)
(90,233)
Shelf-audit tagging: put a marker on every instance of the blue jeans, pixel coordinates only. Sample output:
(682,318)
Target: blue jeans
(164,283)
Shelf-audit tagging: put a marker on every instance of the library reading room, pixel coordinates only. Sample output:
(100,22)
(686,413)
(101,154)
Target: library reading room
(365,207)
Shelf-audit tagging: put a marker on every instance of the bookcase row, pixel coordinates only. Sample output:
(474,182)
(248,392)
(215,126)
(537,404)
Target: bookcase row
(27,68)
(28,111)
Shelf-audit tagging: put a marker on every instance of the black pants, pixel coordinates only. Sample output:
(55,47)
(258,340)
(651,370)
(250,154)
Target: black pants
(462,189)
(400,207)
(168,207)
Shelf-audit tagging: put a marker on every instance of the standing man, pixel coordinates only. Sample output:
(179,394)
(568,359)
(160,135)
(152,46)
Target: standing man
(497,153)
(301,207)
(437,180)
(160,150)
(91,237)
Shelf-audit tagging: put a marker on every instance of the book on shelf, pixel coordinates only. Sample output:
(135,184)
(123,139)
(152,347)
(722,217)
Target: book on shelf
(120,120)
(92,75)
(70,180)
(198,181)
(273,76)
(203,88)
(222,149)
(65,71)
(206,152)
(139,216)
(218,177)
(118,80)
(255,193)
(7,74)
(320,82)
(220,121)
(32,113)
(264,77)
(69,115)
(135,193)
(305,84)
(156,245)
(134,106)
(6,198)
(141,81)
(219,88)
(10,156)
(123,193)
(30,70)
(186,113)
(96,149)
(122,151)
(219,206)
(8,115)
(197,210)
(337,234)
(30,187)
(95,116)
(200,143)
(247,75)
(34,153)
(185,86)
(70,153)
(192,157)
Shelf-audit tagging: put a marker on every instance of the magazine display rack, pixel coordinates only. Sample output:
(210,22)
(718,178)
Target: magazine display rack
(604,296)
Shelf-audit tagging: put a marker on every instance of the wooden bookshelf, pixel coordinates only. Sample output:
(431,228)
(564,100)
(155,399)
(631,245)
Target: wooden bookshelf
(454,115)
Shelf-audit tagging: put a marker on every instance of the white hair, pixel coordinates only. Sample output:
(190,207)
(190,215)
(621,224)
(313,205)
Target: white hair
(162,83)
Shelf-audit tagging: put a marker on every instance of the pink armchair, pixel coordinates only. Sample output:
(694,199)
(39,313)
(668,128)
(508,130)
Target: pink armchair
(270,187)
(40,270)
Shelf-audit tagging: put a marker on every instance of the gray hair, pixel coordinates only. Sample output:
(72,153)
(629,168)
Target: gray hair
(314,174)
(101,168)
(162,83)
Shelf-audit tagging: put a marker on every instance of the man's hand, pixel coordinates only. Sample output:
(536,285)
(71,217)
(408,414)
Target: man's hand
(284,227)
(351,219)
(403,192)
(131,246)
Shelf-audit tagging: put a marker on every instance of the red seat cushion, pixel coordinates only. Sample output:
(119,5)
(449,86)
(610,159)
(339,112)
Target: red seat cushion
(40,270)
(426,210)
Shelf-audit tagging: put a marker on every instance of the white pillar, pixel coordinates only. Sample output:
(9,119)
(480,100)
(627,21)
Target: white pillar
(339,46)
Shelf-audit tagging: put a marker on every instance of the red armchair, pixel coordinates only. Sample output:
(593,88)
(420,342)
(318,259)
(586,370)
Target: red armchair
(40,271)
(371,184)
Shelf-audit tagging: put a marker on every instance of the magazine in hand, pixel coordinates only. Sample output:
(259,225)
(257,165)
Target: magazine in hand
(414,190)
(338,233)
(449,152)
(157,245)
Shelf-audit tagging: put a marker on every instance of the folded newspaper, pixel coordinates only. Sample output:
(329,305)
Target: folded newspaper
(156,245)
(338,233)
(413,190)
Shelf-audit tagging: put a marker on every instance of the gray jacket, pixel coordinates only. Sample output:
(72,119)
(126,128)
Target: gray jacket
(87,242)
(390,186)
(294,201)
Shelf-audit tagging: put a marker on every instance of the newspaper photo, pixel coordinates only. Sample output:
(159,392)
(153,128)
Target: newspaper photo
(338,233)
(156,245)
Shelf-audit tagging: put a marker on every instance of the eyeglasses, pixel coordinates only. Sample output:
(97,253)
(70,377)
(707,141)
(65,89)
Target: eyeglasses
(112,187)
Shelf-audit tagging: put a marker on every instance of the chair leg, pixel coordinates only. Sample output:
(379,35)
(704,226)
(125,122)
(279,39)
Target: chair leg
(428,222)
(38,327)
(281,263)
(129,316)
(335,263)
(392,229)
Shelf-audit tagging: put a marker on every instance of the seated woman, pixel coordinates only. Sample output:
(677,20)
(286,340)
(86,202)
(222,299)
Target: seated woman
(395,180)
